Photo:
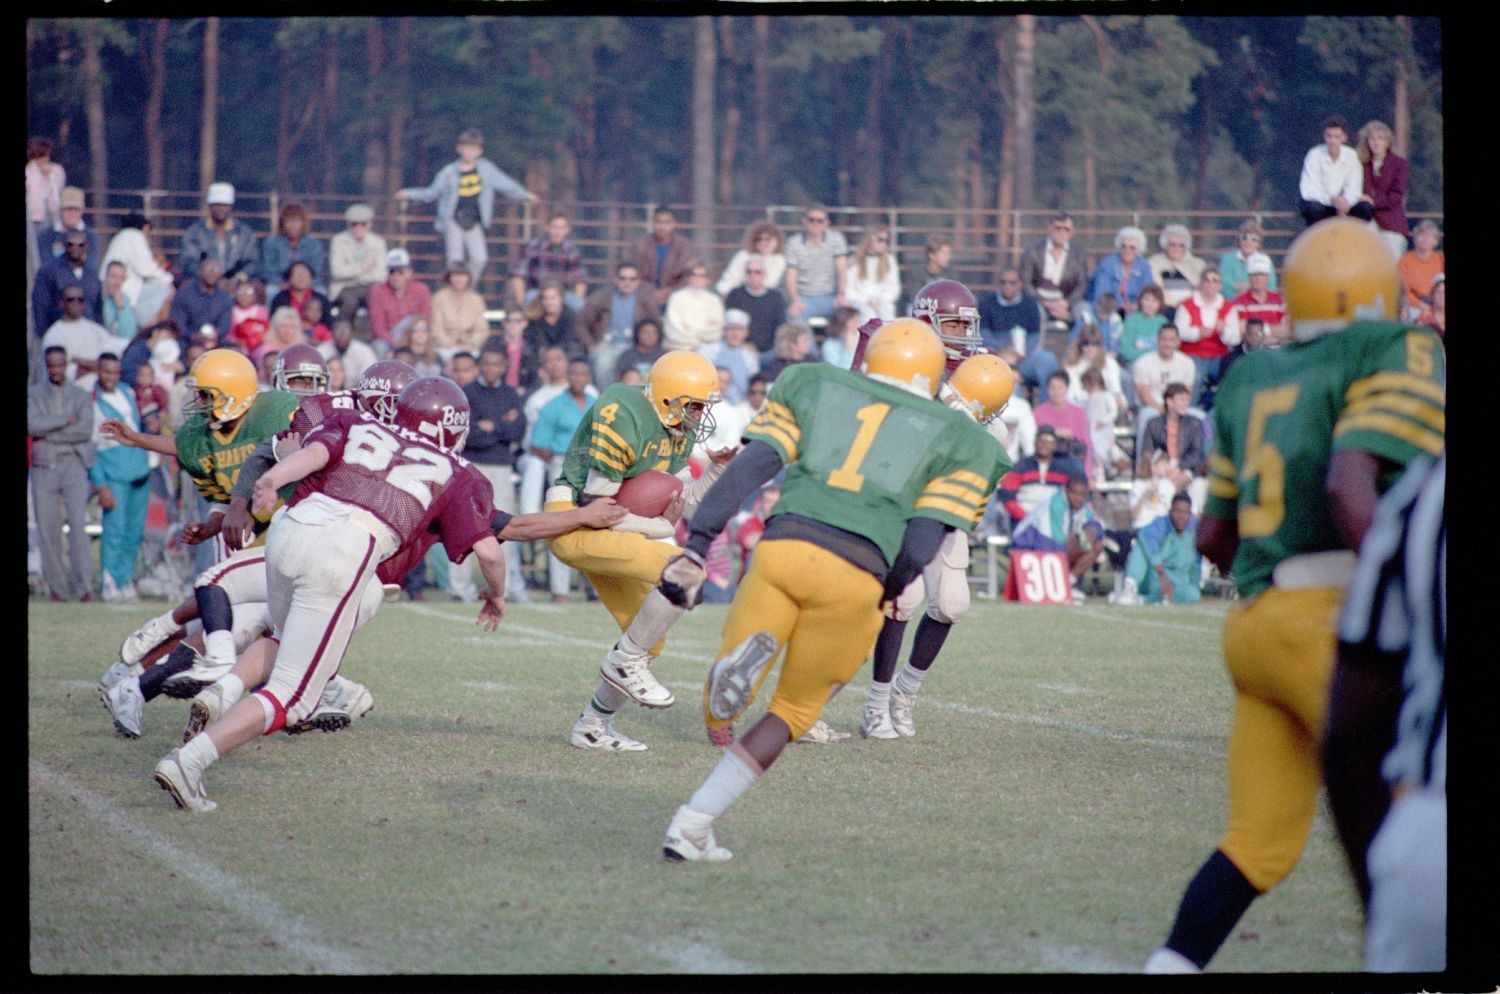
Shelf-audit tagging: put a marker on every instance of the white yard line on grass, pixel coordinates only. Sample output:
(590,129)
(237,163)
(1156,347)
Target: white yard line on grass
(509,626)
(288,930)
(1132,619)
(697,956)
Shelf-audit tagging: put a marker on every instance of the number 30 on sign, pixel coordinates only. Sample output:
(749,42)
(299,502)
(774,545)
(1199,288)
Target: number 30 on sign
(1038,578)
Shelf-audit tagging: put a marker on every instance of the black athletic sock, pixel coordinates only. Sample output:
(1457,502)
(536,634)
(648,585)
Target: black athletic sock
(1211,906)
(931,634)
(888,650)
(180,659)
(214,609)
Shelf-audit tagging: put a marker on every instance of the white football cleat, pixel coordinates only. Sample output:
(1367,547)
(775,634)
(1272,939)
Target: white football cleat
(186,789)
(876,724)
(732,679)
(901,707)
(145,638)
(124,701)
(208,707)
(204,673)
(690,839)
(349,696)
(631,675)
(593,732)
(823,732)
(117,671)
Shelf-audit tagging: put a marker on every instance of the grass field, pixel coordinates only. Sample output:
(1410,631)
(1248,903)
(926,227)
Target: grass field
(1065,782)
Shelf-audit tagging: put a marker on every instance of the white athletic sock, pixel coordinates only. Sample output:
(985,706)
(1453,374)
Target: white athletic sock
(232,688)
(607,699)
(168,623)
(199,754)
(218,647)
(880,697)
(908,680)
(651,623)
(725,785)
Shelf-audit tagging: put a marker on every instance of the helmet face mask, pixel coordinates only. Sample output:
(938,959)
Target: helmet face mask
(379,386)
(950,300)
(682,388)
(304,363)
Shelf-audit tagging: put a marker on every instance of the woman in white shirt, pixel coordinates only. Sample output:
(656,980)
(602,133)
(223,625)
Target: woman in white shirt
(763,239)
(874,282)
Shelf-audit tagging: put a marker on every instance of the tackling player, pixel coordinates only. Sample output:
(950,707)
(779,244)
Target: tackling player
(1305,437)
(627,431)
(876,473)
(366,490)
(227,420)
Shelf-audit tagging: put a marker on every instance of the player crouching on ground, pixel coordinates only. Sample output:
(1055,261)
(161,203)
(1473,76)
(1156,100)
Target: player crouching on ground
(876,471)
(627,431)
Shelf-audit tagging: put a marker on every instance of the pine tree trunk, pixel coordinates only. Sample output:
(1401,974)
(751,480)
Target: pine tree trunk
(760,180)
(400,108)
(729,140)
(1023,119)
(372,180)
(328,114)
(284,136)
(868,161)
(1401,98)
(705,72)
(93,101)
(207,152)
(156,156)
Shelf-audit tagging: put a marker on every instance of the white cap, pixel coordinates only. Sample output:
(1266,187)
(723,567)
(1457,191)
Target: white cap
(736,318)
(220,193)
(1258,262)
(397,258)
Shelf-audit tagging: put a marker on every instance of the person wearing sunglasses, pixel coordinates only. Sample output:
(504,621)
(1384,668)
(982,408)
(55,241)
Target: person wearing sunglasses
(874,278)
(1234,264)
(57,274)
(82,338)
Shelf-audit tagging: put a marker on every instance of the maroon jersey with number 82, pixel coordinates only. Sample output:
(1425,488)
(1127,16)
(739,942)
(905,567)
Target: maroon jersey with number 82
(403,479)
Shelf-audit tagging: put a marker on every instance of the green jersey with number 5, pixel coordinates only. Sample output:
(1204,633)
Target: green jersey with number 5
(1280,414)
(865,456)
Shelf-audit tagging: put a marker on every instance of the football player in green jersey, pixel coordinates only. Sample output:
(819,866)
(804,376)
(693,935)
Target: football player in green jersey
(1305,438)
(876,473)
(627,431)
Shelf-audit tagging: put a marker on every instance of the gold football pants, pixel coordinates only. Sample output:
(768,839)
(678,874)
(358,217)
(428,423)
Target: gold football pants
(1279,649)
(822,610)
(622,566)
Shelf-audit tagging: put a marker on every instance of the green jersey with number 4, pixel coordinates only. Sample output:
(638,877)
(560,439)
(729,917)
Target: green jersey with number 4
(865,456)
(1279,416)
(213,458)
(620,436)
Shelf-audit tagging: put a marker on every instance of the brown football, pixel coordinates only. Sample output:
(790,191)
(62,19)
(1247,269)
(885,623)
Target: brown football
(649,493)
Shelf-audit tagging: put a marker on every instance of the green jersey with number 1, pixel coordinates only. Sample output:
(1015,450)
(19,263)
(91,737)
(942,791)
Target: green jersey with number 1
(865,456)
(1280,415)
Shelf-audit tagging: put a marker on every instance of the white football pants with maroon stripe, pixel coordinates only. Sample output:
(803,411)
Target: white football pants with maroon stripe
(321,587)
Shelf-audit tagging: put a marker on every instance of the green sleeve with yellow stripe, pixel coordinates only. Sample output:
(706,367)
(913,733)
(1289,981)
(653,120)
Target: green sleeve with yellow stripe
(619,437)
(865,456)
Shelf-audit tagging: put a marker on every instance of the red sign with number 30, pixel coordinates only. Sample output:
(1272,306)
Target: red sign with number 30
(1038,578)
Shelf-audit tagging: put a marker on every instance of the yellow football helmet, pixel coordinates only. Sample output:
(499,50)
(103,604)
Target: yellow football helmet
(1338,271)
(906,353)
(223,385)
(682,388)
(981,387)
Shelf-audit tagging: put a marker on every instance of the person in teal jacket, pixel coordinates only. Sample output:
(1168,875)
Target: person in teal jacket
(1164,565)
(121,474)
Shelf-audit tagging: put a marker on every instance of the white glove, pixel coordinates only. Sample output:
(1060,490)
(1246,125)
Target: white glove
(653,528)
(682,579)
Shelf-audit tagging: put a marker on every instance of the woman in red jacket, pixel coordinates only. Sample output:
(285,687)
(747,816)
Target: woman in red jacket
(1386,175)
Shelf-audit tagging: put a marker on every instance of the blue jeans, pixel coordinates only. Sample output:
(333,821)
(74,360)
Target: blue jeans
(815,305)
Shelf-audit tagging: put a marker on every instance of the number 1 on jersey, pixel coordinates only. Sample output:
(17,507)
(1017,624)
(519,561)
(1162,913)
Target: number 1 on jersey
(847,476)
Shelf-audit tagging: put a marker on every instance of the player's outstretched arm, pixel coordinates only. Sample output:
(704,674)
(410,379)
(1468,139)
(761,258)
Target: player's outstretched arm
(492,566)
(126,435)
(601,512)
(303,462)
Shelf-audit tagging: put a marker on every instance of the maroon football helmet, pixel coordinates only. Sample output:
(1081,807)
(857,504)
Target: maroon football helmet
(379,386)
(300,362)
(436,408)
(950,300)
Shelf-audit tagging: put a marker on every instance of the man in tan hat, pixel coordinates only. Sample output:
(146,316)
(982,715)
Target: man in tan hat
(71,219)
(221,237)
(356,261)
